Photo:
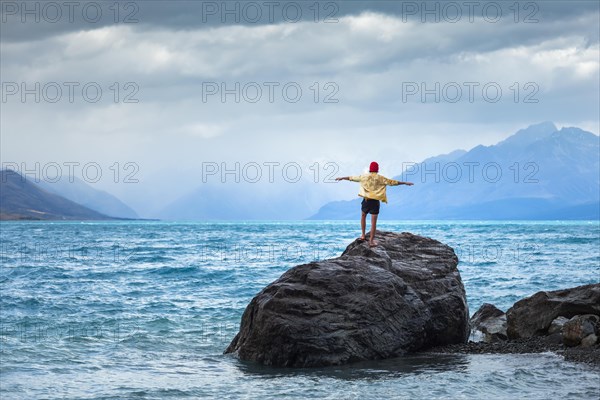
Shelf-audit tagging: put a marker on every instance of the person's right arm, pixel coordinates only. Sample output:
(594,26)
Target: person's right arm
(348,178)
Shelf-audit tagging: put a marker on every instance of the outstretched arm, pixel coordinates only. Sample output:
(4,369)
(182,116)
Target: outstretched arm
(343,178)
(393,182)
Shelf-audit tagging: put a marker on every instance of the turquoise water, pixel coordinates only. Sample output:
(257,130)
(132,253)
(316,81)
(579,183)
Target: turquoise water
(114,310)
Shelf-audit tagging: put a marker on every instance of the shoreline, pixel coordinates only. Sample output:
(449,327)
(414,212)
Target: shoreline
(539,344)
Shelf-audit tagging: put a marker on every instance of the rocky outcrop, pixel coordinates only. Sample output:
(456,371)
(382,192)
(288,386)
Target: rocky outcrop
(491,322)
(573,336)
(533,315)
(404,295)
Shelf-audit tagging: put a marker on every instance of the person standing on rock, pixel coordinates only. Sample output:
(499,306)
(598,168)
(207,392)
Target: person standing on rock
(372,190)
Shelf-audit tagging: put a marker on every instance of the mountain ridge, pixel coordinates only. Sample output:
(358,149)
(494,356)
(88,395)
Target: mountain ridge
(21,199)
(539,172)
(74,189)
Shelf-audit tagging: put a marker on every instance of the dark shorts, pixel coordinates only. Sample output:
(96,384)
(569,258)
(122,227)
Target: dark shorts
(370,206)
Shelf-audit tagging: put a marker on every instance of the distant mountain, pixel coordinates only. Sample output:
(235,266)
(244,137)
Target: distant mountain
(245,201)
(22,199)
(84,194)
(538,173)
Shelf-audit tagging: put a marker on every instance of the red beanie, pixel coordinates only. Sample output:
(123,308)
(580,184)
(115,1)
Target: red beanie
(374,167)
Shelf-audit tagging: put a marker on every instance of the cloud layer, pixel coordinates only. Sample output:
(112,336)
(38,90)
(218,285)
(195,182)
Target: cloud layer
(376,84)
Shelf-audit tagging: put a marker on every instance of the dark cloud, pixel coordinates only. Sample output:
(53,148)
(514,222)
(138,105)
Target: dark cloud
(34,20)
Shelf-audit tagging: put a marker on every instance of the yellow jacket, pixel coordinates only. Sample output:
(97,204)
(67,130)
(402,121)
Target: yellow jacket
(372,185)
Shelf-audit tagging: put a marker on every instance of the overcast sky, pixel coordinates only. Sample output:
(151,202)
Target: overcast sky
(304,82)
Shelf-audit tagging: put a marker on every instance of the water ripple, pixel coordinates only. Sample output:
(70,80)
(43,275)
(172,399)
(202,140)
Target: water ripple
(117,310)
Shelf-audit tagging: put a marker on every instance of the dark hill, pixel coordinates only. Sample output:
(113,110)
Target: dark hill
(21,199)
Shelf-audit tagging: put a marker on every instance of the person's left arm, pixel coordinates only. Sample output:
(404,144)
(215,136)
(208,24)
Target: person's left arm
(393,182)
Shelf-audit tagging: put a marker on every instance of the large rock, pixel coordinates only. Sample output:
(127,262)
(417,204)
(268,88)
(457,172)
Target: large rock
(533,315)
(370,303)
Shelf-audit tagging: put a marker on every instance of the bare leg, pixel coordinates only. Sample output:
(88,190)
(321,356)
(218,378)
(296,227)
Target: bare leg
(372,242)
(363,225)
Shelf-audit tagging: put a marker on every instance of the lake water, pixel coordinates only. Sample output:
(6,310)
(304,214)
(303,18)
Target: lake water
(113,310)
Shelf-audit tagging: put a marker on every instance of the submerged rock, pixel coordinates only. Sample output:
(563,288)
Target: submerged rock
(404,295)
(491,322)
(533,315)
